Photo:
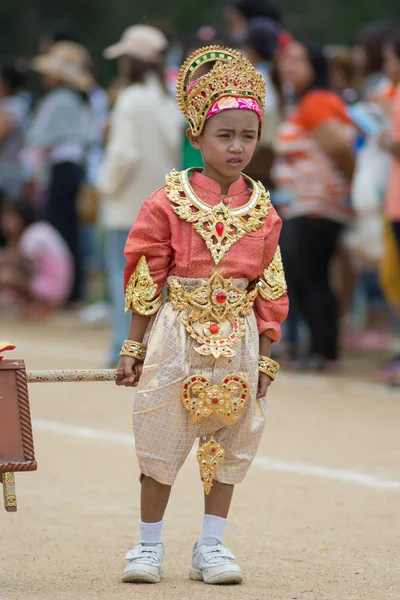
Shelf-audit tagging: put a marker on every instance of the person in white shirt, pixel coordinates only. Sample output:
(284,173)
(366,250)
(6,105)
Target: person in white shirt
(63,130)
(143,145)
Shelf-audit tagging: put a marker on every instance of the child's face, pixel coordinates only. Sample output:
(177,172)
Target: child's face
(391,63)
(228,141)
(50,82)
(295,68)
(11,223)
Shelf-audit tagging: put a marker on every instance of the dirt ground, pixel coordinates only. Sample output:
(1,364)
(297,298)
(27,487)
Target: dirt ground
(317,518)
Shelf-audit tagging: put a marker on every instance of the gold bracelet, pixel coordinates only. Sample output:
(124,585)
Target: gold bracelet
(268,366)
(133,349)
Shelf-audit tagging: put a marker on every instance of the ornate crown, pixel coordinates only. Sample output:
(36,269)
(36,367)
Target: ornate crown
(232,74)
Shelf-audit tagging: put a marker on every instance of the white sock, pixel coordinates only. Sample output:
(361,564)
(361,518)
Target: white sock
(213,530)
(150,533)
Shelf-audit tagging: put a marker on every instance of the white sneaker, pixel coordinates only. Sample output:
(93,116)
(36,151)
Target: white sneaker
(145,564)
(214,564)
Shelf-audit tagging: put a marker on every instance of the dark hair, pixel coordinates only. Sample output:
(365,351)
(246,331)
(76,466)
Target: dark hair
(263,37)
(25,210)
(342,60)
(63,32)
(372,39)
(138,69)
(319,63)
(394,41)
(13,77)
(252,9)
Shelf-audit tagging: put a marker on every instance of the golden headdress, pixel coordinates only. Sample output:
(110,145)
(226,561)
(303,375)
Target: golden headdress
(231,75)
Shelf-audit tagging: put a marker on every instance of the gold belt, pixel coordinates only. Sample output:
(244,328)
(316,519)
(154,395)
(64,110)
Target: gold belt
(214,313)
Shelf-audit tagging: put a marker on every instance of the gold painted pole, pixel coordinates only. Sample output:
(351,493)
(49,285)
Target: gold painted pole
(10,498)
(63,376)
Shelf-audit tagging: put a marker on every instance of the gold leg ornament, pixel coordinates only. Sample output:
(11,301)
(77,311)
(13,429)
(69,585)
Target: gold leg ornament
(209,455)
(226,400)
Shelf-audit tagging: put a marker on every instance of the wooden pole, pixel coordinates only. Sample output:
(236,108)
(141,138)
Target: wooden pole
(68,376)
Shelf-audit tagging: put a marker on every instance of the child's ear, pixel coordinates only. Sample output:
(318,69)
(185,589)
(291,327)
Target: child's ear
(195,142)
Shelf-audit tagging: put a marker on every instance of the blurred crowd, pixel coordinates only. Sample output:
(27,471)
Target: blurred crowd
(77,160)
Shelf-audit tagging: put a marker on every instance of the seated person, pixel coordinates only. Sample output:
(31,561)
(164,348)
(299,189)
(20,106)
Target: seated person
(36,266)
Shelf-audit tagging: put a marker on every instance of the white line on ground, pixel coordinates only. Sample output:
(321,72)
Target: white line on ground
(262,462)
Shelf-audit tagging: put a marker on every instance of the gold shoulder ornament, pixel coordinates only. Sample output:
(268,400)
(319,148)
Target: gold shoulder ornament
(219,226)
(273,284)
(140,291)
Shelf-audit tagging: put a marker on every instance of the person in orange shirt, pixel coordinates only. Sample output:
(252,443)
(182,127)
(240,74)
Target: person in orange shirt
(203,367)
(312,172)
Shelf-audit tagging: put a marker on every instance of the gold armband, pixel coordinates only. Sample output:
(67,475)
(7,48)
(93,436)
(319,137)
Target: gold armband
(268,366)
(133,349)
(273,284)
(140,291)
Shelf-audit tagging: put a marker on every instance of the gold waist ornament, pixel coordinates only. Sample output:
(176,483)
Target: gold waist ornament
(214,313)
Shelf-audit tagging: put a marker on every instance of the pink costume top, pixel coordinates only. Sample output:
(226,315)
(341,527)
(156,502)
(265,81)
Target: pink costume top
(51,263)
(172,247)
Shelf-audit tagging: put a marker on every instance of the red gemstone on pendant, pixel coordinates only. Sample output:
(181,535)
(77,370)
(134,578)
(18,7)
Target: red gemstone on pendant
(221,297)
(219,228)
(214,328)
(213,449)
(214,400)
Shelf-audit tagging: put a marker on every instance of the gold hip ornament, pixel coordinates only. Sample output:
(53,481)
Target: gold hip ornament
(228,400)
(214,313)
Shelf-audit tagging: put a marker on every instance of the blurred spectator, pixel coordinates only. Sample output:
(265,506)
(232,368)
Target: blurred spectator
(370,114)
(143,146)
(36,267)
(63,31)
(63,130)
(313,170)
(390,142)
(369,57)
(342,73)
(13,113)
(89,200)
(238,15)
(260,46)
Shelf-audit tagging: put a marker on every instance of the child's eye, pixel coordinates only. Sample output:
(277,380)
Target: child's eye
(224,135)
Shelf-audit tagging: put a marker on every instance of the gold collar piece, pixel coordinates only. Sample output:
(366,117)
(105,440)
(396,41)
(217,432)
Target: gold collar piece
(219,226)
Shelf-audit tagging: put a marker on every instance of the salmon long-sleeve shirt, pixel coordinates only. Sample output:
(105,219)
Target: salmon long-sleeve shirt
(173,247)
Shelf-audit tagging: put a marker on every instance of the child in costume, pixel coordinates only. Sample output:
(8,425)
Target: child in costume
(200,357)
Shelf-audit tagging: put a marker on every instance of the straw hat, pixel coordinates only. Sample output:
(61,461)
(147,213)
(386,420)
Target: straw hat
(68,61)
(139,41)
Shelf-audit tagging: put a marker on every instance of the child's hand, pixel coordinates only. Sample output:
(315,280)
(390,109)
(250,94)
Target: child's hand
(128,372)
(263,384)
